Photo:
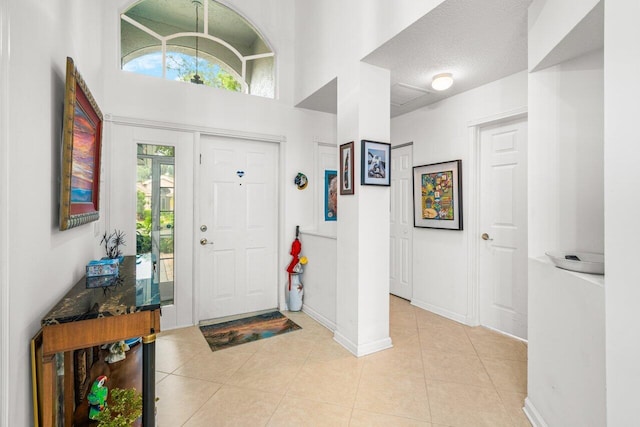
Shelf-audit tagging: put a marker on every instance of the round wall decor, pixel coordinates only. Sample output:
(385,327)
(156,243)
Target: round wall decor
(301,181)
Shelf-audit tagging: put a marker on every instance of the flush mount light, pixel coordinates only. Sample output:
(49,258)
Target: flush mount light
(442,81)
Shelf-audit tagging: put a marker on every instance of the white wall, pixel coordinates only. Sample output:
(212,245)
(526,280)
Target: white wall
(566,166)
(144,97)
(440,133)
(43,262)
(622,175)
(349,30)
(4,223)
(566,355)
(550,21)
(319,278)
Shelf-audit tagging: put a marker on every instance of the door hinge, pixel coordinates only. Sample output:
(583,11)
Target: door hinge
(200,158)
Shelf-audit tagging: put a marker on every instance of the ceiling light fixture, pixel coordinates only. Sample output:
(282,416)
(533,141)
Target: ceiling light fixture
(442,81)
(196,78)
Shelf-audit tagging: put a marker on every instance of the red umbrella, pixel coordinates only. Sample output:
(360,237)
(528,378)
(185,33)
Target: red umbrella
(296,248)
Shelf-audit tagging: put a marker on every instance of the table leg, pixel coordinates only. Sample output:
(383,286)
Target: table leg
(48,390)
(149,380)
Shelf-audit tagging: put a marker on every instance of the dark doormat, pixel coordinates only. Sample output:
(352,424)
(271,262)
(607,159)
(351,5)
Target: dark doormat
(240,331)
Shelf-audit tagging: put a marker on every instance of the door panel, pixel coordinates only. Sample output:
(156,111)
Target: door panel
(401,223)
(503,217)
(238,263)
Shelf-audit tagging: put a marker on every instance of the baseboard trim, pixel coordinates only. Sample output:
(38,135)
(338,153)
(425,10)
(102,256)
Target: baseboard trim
(532,413)
(319,318)
(364,349)
(440,311)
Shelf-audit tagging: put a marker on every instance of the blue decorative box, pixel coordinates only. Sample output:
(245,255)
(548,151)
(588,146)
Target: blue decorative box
(103,267)
(101,281)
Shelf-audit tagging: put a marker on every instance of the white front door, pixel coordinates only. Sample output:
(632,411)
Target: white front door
(401,222)
(237,229)
(503,228)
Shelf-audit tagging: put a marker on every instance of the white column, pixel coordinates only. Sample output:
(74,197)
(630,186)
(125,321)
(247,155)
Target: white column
(362,311)
(622,228)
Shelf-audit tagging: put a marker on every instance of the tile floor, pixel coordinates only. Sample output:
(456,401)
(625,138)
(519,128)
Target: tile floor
(439,373)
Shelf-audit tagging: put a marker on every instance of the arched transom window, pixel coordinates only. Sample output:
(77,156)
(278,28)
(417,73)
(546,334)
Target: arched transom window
(197,41)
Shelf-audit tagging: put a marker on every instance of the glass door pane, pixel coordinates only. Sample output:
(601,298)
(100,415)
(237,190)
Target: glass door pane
(155,213)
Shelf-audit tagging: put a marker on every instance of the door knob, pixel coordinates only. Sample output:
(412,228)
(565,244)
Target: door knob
(485,236)
(204,241)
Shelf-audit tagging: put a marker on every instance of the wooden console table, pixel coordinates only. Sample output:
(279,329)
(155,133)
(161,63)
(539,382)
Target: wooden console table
(84,318)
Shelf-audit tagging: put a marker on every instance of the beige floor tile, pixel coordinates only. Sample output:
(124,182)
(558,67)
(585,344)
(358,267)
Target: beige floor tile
(295,412)
(400,395)
(334,381)
(426,319)
(406,319)
(508,375)
(328,349)
(236,407)
(402,326)
(398,334)
(495,345)
(462,405)
(306,378)
(445,338)
(160,376)
(180,398)
(402,359)
(361,418)
(190,334)
(514,402)
(456,368)
(268,372)
(216,366)
(173,353)
(398,304)
(302,320)
(294,344)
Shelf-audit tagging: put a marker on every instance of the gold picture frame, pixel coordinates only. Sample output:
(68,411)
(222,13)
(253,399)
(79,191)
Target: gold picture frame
(81,153)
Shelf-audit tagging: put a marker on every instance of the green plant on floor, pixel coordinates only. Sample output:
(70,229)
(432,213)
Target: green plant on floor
(124,408)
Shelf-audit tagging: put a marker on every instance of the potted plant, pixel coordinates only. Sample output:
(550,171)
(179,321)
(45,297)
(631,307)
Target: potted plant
(124,408)
(112,243)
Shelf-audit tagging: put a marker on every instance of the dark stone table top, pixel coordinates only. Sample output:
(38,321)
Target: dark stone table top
(135,289)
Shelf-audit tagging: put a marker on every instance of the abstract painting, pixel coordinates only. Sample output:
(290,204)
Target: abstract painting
(437,195)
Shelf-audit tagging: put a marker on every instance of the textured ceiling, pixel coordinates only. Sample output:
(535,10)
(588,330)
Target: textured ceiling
(478,41)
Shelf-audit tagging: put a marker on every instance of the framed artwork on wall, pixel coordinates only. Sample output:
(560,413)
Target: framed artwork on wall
(346,168)
(81,150)
(437,195)
(330,195)
(376,163)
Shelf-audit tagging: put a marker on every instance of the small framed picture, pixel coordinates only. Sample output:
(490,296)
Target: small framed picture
(346,168)
(437,195)
(330,195)
(376,163)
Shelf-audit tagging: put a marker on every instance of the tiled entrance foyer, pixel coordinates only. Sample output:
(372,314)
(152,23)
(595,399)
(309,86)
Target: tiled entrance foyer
(439,373)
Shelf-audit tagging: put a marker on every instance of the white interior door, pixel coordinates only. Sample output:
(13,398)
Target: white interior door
(401,223)
(237,230)
(503,228)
